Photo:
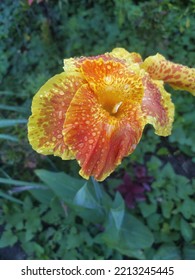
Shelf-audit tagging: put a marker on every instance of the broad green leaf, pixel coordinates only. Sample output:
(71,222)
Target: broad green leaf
(89,201)
(186,230)
(64,186)
(118,210)
(98,190)
(44,196)
(167,252)
(132,236)
(85,198)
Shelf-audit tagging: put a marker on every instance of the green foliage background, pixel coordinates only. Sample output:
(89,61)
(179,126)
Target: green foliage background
(47,215)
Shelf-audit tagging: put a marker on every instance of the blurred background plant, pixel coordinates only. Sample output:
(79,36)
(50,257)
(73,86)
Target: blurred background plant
(46,210)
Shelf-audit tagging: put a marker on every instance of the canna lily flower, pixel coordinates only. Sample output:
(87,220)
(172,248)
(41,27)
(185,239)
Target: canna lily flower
(95,111)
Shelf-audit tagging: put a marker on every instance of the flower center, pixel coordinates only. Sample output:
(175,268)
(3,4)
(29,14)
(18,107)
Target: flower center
(111,105)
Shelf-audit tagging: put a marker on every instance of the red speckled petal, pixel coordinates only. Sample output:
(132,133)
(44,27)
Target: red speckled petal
(48,114)
(157,106)
(73,65)
(177,75)
(97,139)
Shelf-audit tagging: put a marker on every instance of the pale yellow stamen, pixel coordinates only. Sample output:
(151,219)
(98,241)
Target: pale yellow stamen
(116,107)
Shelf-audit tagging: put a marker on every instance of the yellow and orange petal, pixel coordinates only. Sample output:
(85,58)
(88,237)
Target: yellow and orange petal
(128,57)
(177,75)
(97,139)
(116,55)
(112,82)
(49,107)
(73,65)
(157,106)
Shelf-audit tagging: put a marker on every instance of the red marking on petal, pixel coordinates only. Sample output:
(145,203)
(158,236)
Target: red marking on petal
(98,140)
(158,68)
(157,106)
(48,114)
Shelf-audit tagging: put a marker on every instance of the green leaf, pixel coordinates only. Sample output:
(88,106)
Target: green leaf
(189,252)
(167,252)
(19,109)
(147,209)
(163,151)
(154,221)
(130,239)
(91,198)
(63,186)
(20,183)
(9,197)
(184,188)
(28,235)
(187,208)
(167,172)
(38,190)
(44,196)
(167,207)
(7,239)
(9,137)
(98,190)
(186,230)
(117,211)
(154,164)
(85,198)
(6,123)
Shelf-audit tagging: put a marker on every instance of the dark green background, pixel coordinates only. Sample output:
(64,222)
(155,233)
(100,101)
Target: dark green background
(70,220)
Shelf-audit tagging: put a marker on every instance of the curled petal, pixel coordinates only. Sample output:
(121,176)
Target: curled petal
(157,106)
(112,81)
(177,75)
(97,139)
(125,55)
(49,107)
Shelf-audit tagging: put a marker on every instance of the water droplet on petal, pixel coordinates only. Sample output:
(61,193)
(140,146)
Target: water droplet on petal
(108,80)
(60,115)
(81,145)
(126,87)
(134,146)
(61,92)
